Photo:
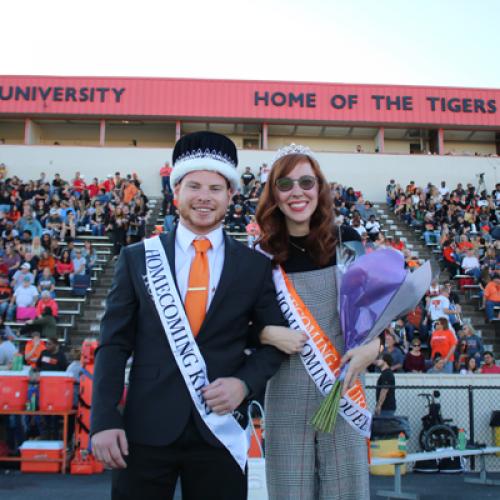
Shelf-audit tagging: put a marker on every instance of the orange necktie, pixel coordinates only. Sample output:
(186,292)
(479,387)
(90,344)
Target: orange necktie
(197,292)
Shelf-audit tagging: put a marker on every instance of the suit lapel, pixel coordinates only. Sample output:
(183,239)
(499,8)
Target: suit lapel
(168,242)
(227,276)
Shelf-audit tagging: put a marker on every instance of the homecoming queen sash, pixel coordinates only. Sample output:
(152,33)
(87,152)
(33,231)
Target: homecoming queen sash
(185,350)
(320,358)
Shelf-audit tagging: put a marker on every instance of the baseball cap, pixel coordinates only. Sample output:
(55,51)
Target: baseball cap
(26,266)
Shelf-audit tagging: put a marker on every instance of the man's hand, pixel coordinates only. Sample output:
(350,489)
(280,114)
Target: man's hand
(109,447)
(224,395)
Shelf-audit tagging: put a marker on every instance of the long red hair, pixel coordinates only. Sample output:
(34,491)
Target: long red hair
(321,240)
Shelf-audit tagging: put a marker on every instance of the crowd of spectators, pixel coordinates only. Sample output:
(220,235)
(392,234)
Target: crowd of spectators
(40,220)
(461,224)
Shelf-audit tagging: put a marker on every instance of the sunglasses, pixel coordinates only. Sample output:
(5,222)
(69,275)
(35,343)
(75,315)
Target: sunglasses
(306,182)
(416,345)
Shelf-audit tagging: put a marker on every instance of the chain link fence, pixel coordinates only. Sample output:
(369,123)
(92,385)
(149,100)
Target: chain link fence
(469,407)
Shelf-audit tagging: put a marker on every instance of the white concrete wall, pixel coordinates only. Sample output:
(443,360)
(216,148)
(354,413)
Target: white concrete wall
(367,172)
(454,403)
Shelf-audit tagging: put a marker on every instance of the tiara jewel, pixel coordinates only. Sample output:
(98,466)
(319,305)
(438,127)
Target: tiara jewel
(292,149)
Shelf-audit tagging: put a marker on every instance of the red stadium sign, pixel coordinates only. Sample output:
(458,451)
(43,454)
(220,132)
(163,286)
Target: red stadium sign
(187,99)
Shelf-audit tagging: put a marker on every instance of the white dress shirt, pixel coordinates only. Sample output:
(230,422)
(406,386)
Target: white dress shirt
(185,252)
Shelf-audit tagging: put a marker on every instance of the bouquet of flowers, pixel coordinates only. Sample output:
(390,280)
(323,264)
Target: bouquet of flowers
(374,289)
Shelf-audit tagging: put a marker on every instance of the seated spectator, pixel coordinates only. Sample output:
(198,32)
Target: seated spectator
(470,367)
(29,223)
(475,348)
(79,264)
(236,218)
(54,222)
(373,227)
(449,257)
(47,261)
(20,275)
(32,260)
(47,301)
(443,342)
(461,355)
(36,247)
(392,347)
(7,348)
(492,296)
(52,358)
(5,295)
(253,231)
(4,270)
(65,268)
(357,225)
(47,282)
(470,264)
(489,365)
(69,225)
(24,296)
(46,241)
(34,348)
(431,233)
(12,260)
(415,361)
(56,249)
(397,244)
(90,256)
(438,365)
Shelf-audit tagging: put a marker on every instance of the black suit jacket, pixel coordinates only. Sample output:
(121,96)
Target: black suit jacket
(158,404)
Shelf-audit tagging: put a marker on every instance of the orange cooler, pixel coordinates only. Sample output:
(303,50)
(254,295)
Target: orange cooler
(13,390)
(33,454)
(56,391)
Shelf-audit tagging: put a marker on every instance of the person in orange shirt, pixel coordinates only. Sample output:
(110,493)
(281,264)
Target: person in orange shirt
(443,342)
(129,191)
(33,349)
(47,260)
(492,296)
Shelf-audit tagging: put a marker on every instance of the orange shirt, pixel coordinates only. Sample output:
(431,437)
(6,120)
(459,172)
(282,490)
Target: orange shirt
(465,245)
(441,342)
(492,292)
(49,262)
(33,357)
(129,192)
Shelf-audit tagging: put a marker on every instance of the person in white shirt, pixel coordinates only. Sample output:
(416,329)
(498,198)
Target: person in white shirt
(439,306)
(443,190)
(19,275)
(25,296)
(373,227)
(471,265)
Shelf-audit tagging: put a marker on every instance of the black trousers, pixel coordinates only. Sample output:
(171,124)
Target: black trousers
(206,472)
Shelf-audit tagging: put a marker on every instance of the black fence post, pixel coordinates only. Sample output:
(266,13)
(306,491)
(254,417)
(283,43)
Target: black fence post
(471,423)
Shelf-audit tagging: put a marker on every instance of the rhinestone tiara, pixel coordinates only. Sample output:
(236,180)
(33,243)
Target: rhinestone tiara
(292,149)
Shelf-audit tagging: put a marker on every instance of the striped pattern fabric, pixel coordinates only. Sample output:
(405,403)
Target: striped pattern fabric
(302,464)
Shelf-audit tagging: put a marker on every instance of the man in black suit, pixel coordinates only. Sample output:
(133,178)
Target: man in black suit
(162,435)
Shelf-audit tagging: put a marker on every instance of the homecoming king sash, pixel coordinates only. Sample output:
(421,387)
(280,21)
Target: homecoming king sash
(320,358)
(185,350)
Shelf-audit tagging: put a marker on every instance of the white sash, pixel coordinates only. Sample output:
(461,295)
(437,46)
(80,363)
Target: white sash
(352,405)
(185,349)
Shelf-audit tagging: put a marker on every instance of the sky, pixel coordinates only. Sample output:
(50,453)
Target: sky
(424,42)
